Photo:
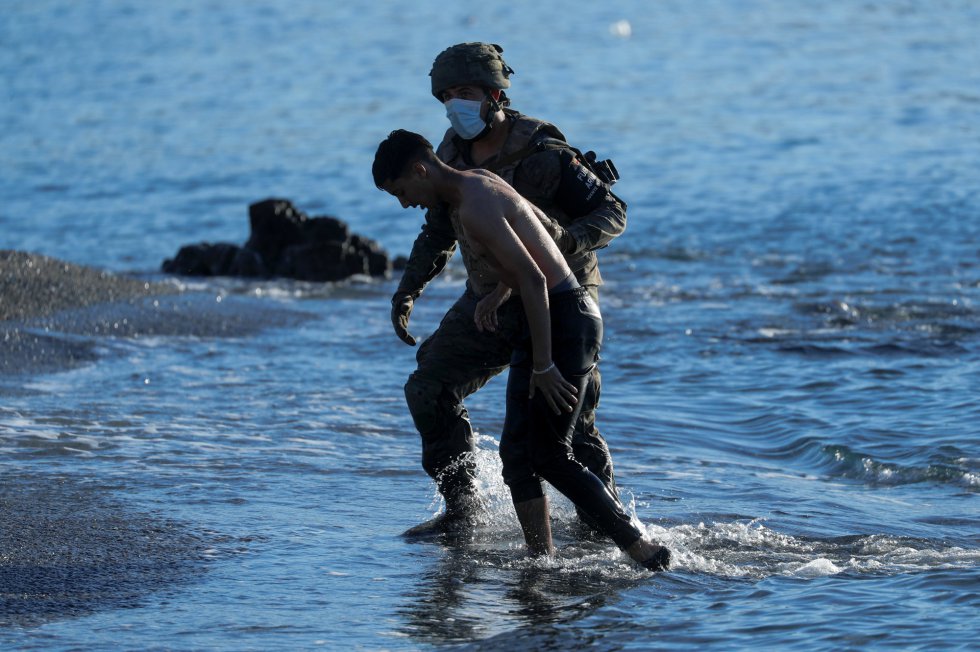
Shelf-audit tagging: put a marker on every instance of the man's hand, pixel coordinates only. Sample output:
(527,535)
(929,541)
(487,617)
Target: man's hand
(558,392)
(401,308)
(485,314)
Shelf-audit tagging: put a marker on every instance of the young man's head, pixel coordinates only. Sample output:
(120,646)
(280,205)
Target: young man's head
(402,167)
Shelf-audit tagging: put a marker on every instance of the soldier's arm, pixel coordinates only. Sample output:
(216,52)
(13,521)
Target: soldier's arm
(597,228)
(597,215)
(431,251)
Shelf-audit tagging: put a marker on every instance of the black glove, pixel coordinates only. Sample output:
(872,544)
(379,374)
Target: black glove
(401,308)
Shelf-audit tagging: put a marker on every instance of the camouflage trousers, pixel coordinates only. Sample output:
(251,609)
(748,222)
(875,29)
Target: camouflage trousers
(456,361)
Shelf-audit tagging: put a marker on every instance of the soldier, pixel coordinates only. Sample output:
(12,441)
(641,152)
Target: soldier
(464,352)
(553,359)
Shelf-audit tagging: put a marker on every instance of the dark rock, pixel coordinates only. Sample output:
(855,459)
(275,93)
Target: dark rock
(285,242)
(203,259)
(314,261)
(326,229)
(373,254)
(249,264)
(276,224)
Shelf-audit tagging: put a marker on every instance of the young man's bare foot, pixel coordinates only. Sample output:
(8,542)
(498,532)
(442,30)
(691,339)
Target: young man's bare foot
(650,555)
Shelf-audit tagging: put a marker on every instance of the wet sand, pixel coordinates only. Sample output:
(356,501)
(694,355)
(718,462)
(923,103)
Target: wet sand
(53,313)
(32,286)
(71,548)
(42,297)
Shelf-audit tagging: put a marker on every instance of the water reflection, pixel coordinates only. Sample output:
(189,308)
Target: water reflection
(472,593)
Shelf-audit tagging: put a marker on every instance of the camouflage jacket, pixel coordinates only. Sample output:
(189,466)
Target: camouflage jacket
(541,177)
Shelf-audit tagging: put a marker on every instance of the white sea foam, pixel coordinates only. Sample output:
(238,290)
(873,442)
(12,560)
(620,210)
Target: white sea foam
(816,568)
(753,550)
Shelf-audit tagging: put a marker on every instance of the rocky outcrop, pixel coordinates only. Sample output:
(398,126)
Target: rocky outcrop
(284,242)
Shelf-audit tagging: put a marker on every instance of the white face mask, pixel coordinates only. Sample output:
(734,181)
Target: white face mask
(464,115)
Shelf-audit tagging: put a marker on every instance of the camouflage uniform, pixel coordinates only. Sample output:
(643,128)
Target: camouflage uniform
(457,359)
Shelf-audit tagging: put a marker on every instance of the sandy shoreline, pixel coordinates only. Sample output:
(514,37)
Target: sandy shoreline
(32,285)
(36,289)
(53,313)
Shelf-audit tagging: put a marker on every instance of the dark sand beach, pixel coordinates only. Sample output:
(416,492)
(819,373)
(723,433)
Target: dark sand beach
(32,285)
(54,313)
(43,299)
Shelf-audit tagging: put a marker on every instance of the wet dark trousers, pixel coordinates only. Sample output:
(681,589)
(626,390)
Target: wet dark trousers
(457,360)
(536,443)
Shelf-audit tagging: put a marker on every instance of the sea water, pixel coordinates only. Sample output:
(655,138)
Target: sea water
(792,354)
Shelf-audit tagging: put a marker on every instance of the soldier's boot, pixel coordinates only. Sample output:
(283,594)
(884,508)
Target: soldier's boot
(448,447)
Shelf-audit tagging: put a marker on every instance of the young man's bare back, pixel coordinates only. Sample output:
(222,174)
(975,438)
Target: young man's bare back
(488,203)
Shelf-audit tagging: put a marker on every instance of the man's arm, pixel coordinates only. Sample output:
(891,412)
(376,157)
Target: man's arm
(432,250)
(487,225)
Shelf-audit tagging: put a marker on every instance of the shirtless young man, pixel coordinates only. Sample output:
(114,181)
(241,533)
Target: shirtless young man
(553,362)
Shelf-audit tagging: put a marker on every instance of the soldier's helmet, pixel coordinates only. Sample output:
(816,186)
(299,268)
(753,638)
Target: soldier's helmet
(479,64)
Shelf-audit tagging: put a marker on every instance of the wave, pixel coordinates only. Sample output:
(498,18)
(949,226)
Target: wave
(953,469)
(753,550)
(790,436)
(938,464)
(733,547)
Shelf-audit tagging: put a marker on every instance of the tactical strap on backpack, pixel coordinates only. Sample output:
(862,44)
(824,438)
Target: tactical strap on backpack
(605,170)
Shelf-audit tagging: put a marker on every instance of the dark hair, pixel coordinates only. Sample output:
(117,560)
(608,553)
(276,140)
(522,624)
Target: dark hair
(395,153)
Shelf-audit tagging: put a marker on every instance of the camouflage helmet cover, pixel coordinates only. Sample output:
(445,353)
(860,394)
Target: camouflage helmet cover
(470,63)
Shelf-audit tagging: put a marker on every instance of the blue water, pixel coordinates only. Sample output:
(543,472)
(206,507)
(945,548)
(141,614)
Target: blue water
(792,355)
